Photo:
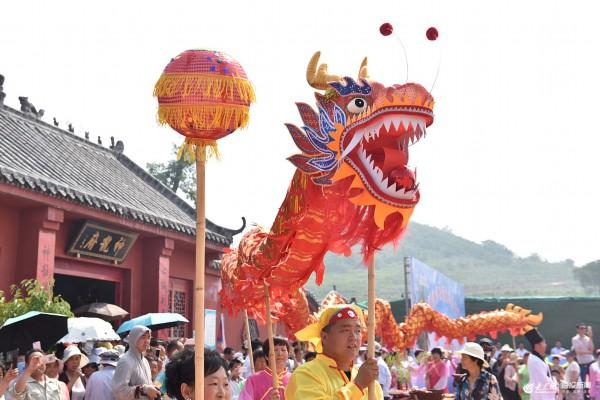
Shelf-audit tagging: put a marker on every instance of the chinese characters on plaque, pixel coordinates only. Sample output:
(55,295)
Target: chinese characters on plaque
(99,241)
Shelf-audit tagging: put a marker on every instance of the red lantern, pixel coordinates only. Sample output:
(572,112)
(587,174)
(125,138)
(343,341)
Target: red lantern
(204,95)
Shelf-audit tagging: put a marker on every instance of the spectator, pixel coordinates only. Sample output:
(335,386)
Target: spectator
(385,376)
(557,349)
(154,368)
(595,378)
(524,377)
(256,346)
(488,349)
(574,389)
(417,369)
(53,368)
(260,361)
(477,383)
(309,356)
(260,385)
(173,347)
(508,378)
(436,377)
(33,384)
(99,385)
(521,350)
(180,376)
(583,346)
(236,382)
(132,377)
(6,379)
(228,354)
(72,376)
(555,366)
(88,369)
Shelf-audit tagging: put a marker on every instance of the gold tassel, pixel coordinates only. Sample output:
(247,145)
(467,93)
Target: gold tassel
(208,149)
(204,117)
(207,85)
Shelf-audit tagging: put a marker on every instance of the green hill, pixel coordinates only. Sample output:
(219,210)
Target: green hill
(485,269)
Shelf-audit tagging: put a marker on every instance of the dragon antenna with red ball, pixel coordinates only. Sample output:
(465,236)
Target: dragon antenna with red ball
(386,29)
(432,34)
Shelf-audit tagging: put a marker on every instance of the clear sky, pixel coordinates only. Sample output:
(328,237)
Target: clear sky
(512,155)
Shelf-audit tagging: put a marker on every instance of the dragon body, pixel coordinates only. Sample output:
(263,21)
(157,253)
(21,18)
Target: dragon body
(352,187)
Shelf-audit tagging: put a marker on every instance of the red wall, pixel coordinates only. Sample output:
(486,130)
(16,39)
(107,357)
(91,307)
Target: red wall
(9,227)
(19,232)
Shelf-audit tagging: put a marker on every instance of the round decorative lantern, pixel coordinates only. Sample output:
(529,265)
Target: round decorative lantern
(204,95)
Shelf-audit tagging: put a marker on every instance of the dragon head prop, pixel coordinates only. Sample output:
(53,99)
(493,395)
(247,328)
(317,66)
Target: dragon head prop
(360,136)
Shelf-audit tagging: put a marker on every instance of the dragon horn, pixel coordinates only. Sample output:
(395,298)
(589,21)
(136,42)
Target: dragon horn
(534,319)
(319,79)
(363,73)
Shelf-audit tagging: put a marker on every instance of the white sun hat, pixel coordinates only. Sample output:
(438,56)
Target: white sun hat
(474,350)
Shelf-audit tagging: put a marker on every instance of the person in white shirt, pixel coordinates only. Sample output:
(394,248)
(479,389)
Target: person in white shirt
(521,350)
(541,385)
(99,386)
(557,349)
(574,389)
(385,376)
(583,346)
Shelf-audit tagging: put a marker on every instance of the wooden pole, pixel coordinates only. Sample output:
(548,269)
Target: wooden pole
(371,321)
(199,281)
(250,353)
(514,343)
(270,333)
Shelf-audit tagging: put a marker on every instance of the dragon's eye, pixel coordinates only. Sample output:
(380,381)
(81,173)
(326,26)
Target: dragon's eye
(357,105)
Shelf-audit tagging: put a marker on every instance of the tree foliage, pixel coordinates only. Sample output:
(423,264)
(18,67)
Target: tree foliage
(30,295)
(589,276)
(176,174)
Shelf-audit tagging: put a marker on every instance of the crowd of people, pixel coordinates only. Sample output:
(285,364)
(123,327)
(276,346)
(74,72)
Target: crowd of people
(335,365)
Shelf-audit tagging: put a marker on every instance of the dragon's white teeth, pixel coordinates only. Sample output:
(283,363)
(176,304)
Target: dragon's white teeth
(387,123)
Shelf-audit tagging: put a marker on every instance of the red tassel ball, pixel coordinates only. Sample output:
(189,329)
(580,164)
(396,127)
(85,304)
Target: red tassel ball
(386,29)
(432,33)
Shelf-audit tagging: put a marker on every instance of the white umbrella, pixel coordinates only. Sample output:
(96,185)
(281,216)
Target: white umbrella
(85,329)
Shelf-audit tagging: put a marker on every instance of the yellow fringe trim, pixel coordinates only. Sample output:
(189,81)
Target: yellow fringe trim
(209,85)
(208,149)
(204,116)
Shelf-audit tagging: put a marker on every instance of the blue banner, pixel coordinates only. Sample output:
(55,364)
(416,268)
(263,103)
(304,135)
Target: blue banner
(428,285)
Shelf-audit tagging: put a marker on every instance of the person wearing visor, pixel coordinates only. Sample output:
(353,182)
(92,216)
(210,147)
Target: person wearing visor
(333,375)
(477,383)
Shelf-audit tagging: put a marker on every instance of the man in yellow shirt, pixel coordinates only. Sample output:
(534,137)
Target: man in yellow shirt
(332,375)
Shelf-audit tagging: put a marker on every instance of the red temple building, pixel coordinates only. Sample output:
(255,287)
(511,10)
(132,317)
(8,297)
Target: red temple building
(98,225)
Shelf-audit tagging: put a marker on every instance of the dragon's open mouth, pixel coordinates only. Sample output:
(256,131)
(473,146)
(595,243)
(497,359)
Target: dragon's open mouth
(376,147)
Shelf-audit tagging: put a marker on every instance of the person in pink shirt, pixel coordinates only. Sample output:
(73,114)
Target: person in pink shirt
(260,385)
(595,378)
(436,376)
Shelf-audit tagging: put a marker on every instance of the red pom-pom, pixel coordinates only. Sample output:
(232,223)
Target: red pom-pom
(386,29)
(432,33)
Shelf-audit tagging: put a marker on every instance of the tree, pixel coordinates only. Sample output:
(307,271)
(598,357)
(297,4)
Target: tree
(589,276)
(30,295)
(176,174)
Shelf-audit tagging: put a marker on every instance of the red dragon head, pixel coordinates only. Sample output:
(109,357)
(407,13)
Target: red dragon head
(362,133)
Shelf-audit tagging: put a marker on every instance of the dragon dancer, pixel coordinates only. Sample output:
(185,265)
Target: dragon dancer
(332,375)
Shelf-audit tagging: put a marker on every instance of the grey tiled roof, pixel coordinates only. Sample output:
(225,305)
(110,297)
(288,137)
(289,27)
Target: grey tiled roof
(41,157)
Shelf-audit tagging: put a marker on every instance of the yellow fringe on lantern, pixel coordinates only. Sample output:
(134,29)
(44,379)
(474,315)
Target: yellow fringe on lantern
(208,149)
(208,116)
(209,85)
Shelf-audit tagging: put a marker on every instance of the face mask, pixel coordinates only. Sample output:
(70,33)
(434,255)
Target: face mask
(21,366)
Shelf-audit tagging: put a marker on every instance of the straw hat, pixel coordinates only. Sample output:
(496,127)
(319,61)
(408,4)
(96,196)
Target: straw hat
(474,350)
